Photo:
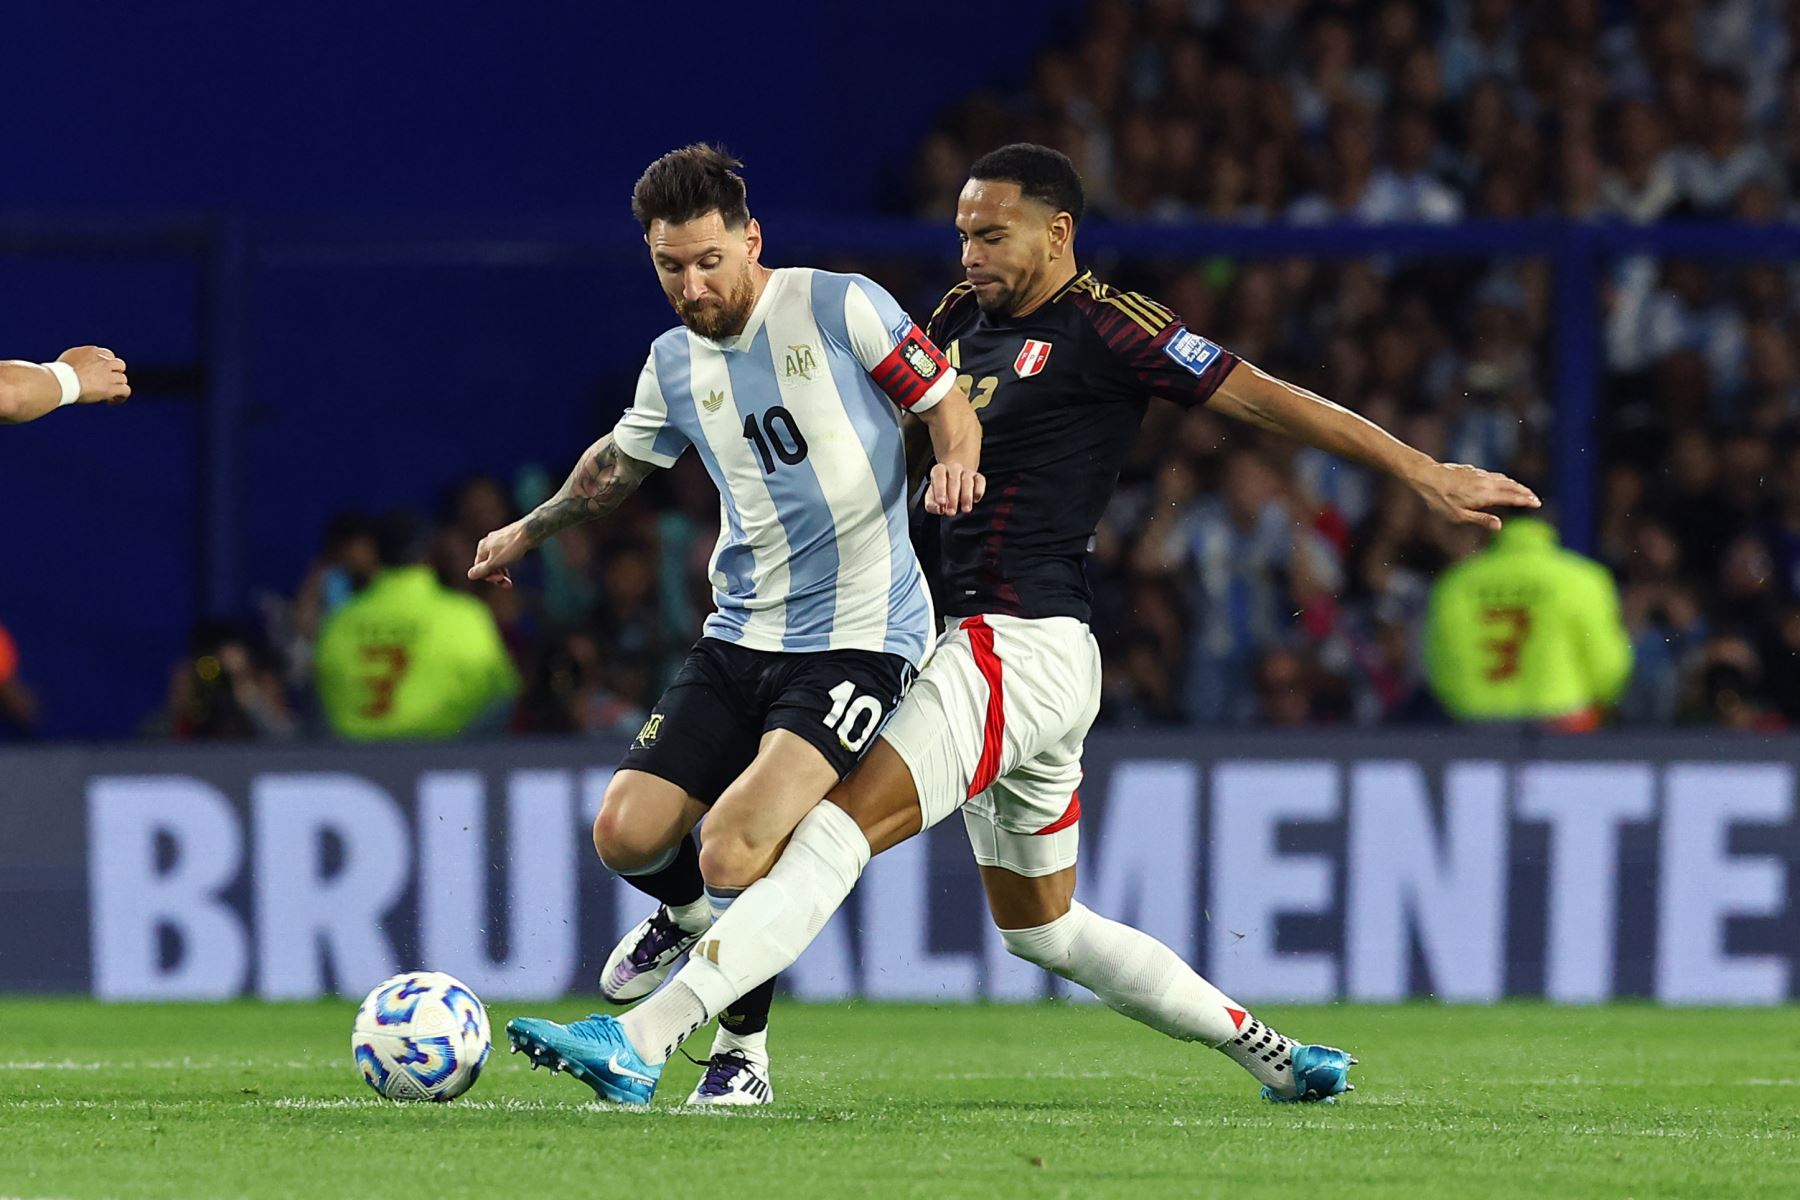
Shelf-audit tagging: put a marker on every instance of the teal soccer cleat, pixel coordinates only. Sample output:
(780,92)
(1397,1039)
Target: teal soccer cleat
(1321,1074)
(595,1051)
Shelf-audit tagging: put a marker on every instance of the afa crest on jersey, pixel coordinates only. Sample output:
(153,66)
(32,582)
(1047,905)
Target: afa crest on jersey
(1031,358)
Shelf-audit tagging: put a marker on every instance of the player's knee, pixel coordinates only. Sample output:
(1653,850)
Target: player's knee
(1047,945)
(729,859)
(624,844)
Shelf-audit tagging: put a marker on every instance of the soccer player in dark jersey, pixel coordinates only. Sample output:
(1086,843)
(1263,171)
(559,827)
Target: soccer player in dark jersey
(1060,369)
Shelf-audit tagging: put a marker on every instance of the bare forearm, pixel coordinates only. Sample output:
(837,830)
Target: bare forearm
(916,439)
(601,482)
(1254,396)
(27,392)
(955,432)
(1452,490)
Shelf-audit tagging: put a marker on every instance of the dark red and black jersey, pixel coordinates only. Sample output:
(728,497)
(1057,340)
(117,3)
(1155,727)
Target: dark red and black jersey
(1060,393)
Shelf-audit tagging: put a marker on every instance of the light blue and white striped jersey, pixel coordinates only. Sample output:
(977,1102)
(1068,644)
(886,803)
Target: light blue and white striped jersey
(804,446)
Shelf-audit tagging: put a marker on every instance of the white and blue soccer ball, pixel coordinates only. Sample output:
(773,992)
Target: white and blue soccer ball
(421,1036)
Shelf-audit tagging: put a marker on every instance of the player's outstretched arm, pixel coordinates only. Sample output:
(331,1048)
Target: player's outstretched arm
(601,481)
(82,375)
(1461,493)
(957,484)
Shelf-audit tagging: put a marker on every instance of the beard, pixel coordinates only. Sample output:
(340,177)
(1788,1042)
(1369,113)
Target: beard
(1000,302)
(998,297)
(717,319)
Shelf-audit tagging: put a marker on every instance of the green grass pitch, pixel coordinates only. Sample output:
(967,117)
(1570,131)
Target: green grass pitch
(260,1100)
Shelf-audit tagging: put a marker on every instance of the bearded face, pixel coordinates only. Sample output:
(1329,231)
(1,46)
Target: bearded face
(708,271)
(717,316)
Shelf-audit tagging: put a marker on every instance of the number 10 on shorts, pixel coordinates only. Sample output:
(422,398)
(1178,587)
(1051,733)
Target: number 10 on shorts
(855,718)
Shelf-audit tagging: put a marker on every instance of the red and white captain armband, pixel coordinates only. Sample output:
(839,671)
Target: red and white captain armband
(913,371)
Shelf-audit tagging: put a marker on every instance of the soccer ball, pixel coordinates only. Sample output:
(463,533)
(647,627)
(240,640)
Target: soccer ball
(421,1036)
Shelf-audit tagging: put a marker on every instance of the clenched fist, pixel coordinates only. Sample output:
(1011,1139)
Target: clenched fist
(101,372)
(954,489)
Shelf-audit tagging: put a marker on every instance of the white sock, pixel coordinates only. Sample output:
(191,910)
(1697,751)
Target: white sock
(694,916)
(659,1025)
(753,1046)
(762,933)
(1134,974)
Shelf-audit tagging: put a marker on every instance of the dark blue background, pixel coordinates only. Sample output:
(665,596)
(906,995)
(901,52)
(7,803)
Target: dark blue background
(408,180)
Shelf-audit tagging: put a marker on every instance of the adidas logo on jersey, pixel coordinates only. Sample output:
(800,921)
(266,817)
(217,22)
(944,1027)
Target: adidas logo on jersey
(714,401)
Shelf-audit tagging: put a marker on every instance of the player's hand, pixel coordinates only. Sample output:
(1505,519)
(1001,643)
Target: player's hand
(1463,493)
(954,489)
(498,551)
(101,372)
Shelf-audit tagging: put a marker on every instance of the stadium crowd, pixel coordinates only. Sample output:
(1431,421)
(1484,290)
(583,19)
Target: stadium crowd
(1242,581)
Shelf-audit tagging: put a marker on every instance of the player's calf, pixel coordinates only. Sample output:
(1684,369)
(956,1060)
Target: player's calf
(1136,975)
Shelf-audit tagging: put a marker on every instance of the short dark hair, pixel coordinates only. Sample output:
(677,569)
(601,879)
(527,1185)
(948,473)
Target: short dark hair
(1043,174)
(402,538)
(686,184)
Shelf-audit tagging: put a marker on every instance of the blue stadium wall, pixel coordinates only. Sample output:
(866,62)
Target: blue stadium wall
(1465,868)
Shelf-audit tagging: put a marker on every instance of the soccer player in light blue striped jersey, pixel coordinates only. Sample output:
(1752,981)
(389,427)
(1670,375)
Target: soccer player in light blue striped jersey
(789,384)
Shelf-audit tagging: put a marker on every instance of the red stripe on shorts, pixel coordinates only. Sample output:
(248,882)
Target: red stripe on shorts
(993,735)
(1070,815)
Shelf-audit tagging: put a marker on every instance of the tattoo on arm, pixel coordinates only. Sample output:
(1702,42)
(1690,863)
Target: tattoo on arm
(600,483)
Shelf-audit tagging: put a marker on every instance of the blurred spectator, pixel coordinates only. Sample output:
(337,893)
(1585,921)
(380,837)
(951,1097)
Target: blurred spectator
(407,657)
(476,506)
(1725,691)
(1245,554)
(1712,173)
(573,692)
(18,705)
(1408,189)
(1526,630)
(229,688)
(348,561)
(1644,183)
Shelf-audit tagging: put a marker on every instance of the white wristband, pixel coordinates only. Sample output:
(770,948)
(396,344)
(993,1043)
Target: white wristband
(66,377)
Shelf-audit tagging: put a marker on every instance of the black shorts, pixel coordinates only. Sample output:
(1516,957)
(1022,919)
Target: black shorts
(705,730)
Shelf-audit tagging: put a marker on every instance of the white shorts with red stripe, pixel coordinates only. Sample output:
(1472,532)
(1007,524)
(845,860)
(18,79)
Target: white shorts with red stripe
(994,726)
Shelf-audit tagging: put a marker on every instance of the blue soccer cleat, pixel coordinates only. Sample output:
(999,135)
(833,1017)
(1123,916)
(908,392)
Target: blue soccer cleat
(595,1051)
(1321,1074)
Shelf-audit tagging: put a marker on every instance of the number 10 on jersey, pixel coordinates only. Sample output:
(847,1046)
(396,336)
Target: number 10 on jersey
(775,436)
